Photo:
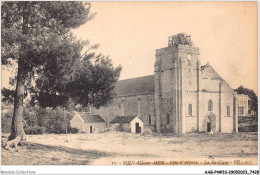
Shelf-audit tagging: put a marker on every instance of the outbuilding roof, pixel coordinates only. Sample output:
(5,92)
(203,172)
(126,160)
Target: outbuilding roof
(123,119)
(88,118)
(135,86)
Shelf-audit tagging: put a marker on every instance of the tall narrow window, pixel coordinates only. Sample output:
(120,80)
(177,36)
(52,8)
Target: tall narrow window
(239,111)
(139,108)
(149,119)
(228,110)
(210,105)
(190,109)
(168,119)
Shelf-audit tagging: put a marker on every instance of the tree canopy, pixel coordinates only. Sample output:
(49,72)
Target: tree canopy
(56,69)
(36,36)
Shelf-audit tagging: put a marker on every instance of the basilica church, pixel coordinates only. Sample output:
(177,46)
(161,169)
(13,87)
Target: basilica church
(181,96)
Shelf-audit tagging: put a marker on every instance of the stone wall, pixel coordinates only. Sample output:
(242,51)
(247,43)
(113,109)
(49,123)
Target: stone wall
(126,127)
(204,112)
(78,123)
(227,124)
(190,121)
(95,127)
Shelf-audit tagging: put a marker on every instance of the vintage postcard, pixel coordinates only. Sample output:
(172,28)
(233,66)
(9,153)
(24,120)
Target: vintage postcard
(129,83)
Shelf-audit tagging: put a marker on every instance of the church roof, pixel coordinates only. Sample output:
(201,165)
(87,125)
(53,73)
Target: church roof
(88,118)
(145,85)
(135,86)
(123,119)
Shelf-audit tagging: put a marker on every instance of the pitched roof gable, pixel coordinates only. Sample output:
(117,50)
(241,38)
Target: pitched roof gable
(88,118)
(135,86)
(123,119)
(215,75)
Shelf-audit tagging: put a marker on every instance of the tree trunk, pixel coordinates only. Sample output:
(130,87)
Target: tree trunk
(17,121)
(17,132)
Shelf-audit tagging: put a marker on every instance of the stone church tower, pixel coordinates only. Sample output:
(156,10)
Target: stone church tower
(177,72)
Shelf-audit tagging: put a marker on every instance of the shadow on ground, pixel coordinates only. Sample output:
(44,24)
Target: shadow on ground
(37,154)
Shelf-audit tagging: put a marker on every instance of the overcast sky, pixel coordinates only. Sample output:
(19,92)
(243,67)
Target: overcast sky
(225,32)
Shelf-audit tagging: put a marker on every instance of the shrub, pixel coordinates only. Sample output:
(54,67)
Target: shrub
(27,129)
(116,127)
(33,129)
(37,129)
(37,120)
(74,130)
(6,120)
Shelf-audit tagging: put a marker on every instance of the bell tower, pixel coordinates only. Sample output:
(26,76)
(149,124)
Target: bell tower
(177,74)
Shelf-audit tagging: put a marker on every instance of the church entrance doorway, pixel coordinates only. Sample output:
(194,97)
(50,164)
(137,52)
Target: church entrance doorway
(137,128)
(209,124)
(90,129)
(208,127)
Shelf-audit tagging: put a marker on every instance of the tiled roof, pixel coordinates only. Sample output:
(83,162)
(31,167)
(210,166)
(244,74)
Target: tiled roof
(135,86)
(123,119)
(91,118)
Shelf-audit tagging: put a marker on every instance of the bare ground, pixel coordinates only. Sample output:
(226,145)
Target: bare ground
(105,148)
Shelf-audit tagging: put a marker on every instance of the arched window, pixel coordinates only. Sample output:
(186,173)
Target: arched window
(149,119)
(190,109)
(210,105)
(228,110)
(168,119)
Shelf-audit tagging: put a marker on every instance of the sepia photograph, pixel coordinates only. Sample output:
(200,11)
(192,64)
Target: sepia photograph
(118,83)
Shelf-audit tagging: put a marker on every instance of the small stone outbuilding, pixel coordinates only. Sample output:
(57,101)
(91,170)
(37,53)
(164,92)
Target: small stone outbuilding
(87,123)
(132,124)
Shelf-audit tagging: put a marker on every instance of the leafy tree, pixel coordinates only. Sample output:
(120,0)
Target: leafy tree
(91,82)
(8,95)
(251,94)
(94,81)
(37,35)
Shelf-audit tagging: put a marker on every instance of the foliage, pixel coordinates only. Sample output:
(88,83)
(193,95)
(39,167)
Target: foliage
(56,71)
(94,81)
(33,130)
(32,31)
(251,94)
(8,95)
(74,130)
(48,120)
(39,121)
(6,119)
